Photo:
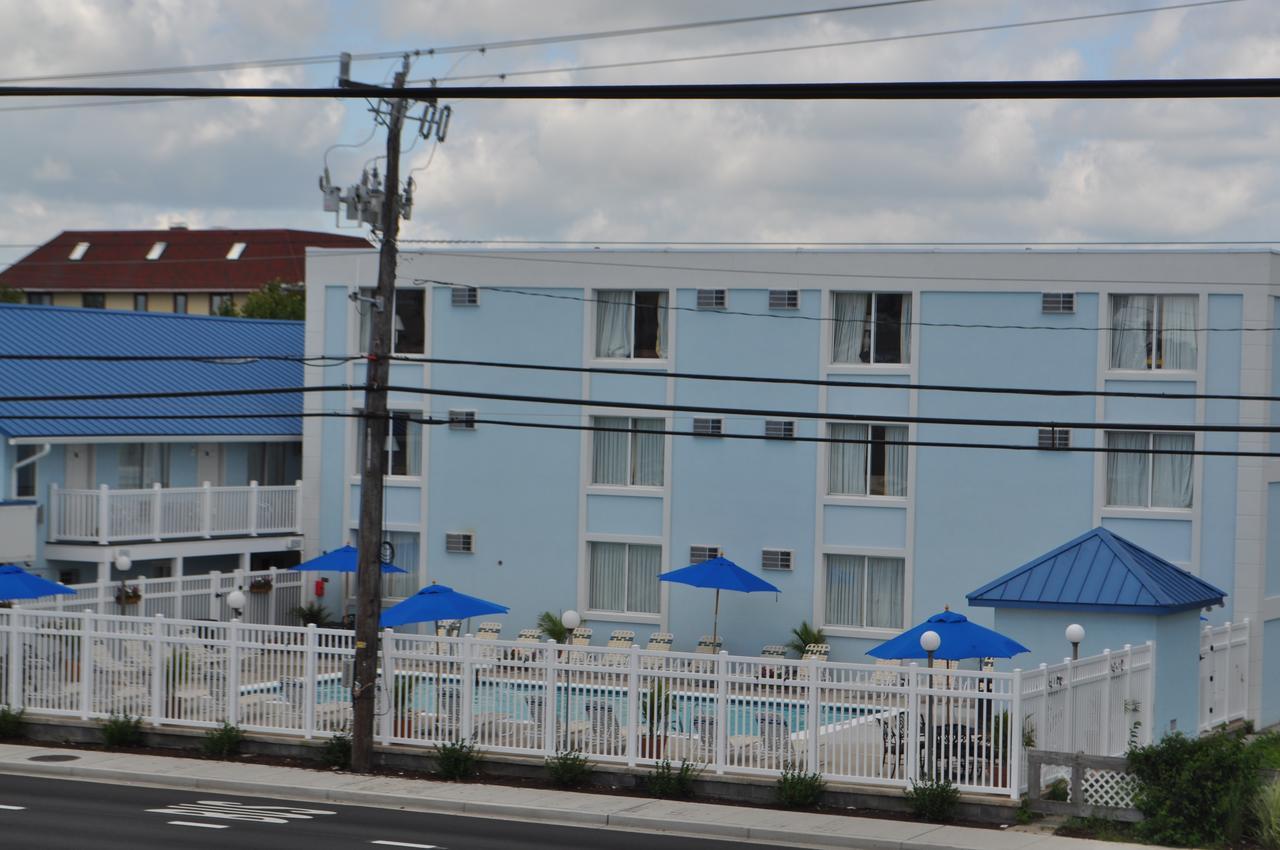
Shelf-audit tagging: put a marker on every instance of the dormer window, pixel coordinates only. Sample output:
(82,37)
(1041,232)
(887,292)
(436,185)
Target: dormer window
(78,252)
(156,250)
(236,250)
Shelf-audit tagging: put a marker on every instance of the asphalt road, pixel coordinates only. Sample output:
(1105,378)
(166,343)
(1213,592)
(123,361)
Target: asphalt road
(53,814)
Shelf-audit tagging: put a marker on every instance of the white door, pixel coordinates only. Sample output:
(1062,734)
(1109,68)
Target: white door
(79,467)
(209,463)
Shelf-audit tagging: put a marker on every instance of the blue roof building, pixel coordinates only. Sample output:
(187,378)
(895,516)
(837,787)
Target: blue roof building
(201,481)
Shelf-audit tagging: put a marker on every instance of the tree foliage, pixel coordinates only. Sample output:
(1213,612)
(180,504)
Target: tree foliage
(275,300)
(9,295)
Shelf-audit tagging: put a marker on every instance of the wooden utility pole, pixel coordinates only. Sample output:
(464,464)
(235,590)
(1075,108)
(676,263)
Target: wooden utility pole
(374,462)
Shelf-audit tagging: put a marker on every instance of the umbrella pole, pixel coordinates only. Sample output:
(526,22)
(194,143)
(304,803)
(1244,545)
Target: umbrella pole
(715,621)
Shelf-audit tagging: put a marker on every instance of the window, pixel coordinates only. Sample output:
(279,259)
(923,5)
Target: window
(401,585)
(179,302)
(142,465)
(873,461)
(1057,302)
(698,554)
(864,592)
(408,323)
(93,300)
(708,427)
(45,298)
(780,429)
(1143,470)
(220,304)
(631,324)
(462,420)
(156,250)
(871,327)
(464,296)
(1153,331)
(268,463)
(784,299)
(403,446)
(1054,438)
(711,299)
(26,484)
(624,577)
(140,302)
(78,252)
(627,456)
(236,249)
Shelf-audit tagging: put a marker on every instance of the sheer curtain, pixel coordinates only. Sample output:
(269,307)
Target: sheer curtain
(849,312)
(884,592)
(847,462)
(1127,469)
(1171,473)
(895,460)
(643,565)
(609,451)
(613,322)
(1178,331)
(845,582)
(646,453)
(904,330)
(608,584)
(412,448)
(662,324)
(1130,320)
(401,585)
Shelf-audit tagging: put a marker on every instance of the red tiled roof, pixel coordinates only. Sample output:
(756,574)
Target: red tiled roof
(192,260)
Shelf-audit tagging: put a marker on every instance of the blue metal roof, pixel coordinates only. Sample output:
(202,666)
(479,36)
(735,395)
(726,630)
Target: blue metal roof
(1099,571)
(26,329)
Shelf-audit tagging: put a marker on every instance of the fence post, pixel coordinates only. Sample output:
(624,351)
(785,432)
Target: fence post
(549,710)
(386,724)
(1014,769)
(157,511)
(253,508)
(1150,690)
(722,710)
(86,665)
(1106,705)
(55,514)
(912,741)
(813,725)
(233,671)
(468,690)
(104,515)
(1042,719)
(309,675)
(271,601)
(16,661)
(1069,706)
(297,507)
(215,595)
(157,670)
(206,510)
(1077,785)
(633,708)
(1244,678)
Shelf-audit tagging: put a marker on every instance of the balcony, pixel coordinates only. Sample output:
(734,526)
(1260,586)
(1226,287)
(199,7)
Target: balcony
(105,516)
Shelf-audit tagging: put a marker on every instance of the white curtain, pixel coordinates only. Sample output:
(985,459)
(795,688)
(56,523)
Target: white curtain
(1178,331)
(609,451)
(401,585)
(845,581)
(849,314)
(884,592)
(412,448)
(895,460)
(643,565)
(143,464)
(613,322)
(1171,473)
(365,310)
(847,462)
(904,331)
(1127,469)
(608,581)
(662,324)
(646,453)
(1131,317)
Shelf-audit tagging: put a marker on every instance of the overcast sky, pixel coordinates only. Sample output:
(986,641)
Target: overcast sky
(823,171)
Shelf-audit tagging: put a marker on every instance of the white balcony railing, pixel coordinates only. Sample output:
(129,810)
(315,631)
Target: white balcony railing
(166,513)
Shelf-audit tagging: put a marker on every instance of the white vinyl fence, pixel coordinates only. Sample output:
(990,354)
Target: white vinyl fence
(1224,674)
(270,597)
(873,724)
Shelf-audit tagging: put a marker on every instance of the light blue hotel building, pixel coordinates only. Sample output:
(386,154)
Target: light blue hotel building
(862,537)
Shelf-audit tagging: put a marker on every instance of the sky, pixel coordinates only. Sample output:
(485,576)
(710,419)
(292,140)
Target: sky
(995,171)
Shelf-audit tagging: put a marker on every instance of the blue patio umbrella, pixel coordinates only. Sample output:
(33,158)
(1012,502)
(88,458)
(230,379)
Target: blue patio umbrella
(17,583)
(438,602)
(344,560)
(960,639)
(722,574)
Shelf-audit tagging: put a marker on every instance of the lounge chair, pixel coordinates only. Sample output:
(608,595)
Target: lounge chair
(887,678)
(708,646)
(658,642)
(704,730)
(448,628)
(582,636)
(604,736)
(489,631)
(533,637)
(770,671)
(620,639)
(817,652)
(774,748)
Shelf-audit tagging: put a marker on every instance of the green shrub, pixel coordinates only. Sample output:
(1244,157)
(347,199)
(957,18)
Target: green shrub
(222,742)
(1195,792)
(569,769)
(1267,748)
(1023,814)
(552,627)
(1266,814)
(122,730)
(11,723)
(312,612)
(934,800)
(458,760)
(800,790)
(667,780)
(1059,790)
(337,751)
(803,635)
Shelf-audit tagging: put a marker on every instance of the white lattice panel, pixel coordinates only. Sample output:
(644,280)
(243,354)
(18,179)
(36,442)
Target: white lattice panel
(1108,788)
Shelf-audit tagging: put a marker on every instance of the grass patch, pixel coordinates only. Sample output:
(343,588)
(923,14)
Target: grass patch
(933,800)
(459,760)
(11,723)
(1099,829)
(122,730)
(569,769)
(222,742)
(667,780)
(800,790)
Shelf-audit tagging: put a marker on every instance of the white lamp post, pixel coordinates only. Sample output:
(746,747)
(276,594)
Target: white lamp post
(929,642)
(1075,636)
(123,562)
(235,601)
(571,619)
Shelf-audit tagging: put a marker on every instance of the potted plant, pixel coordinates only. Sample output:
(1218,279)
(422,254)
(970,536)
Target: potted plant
(128,594)
(261,584)
(655,708)
(802,636)
(552,627)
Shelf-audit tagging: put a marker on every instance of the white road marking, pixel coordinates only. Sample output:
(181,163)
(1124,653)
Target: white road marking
(228,810)
(201,825)
(406,844)
(14,808)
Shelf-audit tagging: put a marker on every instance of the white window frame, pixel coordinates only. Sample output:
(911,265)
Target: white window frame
(665,334)
(866,495)
(358,439)
(364,311)
(622,616)
(1155,368)
(820,592)
(1148,509)
(906,358)
(646,489)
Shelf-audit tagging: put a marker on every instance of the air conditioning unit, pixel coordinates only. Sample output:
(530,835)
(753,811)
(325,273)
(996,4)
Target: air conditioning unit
(708,427)
(698,554)
(711,299)
(1057,302)
(784,299)
(1054,438)
(462,420)
(460,542)
(780,429)
(465,296)
(776,559)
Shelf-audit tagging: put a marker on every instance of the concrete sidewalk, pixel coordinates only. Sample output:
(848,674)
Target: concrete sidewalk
(765,826)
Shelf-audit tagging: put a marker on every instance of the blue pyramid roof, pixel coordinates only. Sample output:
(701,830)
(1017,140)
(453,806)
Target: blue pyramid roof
(1099,571)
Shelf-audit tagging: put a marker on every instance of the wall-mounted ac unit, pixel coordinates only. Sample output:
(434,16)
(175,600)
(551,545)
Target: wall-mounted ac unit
(776,559)
(460,542)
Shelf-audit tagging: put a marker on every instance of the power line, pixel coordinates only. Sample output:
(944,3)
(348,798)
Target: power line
(1124,89)
(736,54)
(760,243)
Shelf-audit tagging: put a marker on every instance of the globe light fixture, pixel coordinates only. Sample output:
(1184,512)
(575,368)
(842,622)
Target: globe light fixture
(571,619)
(236,601)
(1075,636)
(123,562)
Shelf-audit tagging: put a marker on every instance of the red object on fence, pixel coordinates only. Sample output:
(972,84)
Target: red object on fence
(319,587)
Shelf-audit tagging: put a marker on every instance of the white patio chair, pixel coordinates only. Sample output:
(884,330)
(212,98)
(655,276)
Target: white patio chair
(658,642)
